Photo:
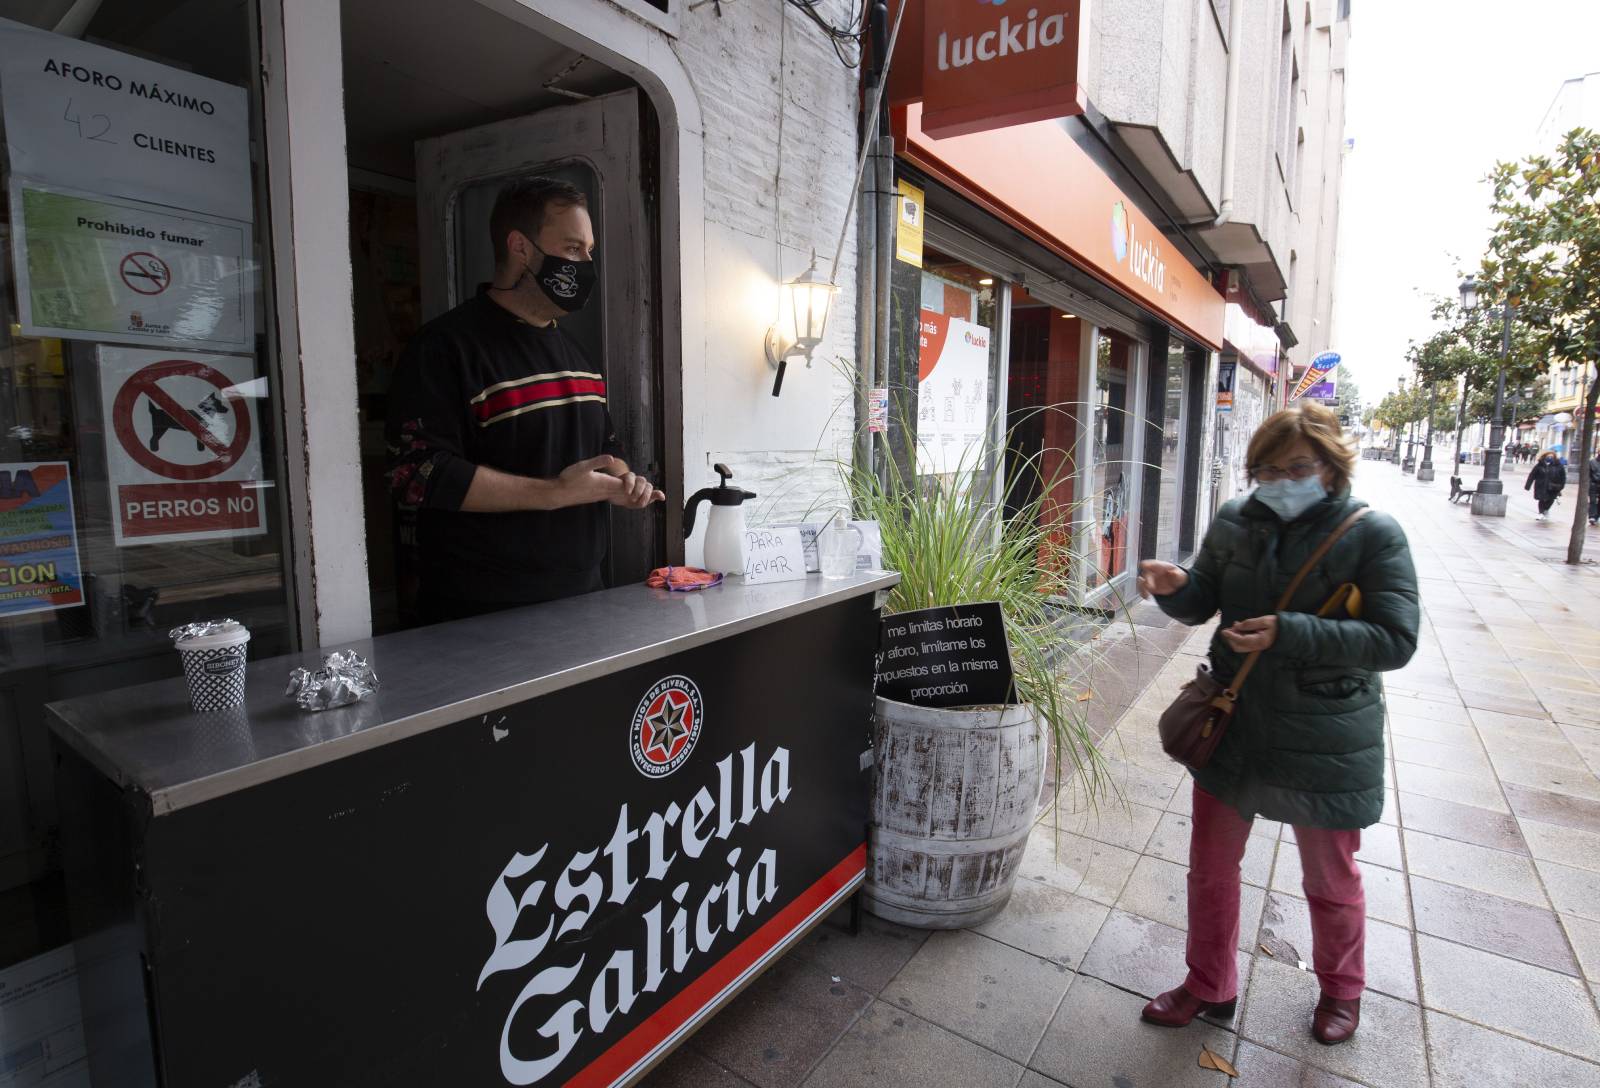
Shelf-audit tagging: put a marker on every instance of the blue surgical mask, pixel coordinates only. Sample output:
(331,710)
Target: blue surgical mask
(1291,498)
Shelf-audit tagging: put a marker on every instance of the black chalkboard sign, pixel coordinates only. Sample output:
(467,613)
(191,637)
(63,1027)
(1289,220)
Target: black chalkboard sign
(951,656)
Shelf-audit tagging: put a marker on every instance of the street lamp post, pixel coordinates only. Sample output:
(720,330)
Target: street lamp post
(1425,470)
(1489,500)
(1411,447)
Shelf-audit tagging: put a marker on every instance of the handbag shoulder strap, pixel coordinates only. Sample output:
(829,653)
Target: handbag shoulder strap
(1300,576)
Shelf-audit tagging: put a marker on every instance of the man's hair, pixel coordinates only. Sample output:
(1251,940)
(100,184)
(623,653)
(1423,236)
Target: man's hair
(522,206)
(1319,426)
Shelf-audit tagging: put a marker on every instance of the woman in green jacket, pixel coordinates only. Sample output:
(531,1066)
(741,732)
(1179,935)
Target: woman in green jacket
(1306,744)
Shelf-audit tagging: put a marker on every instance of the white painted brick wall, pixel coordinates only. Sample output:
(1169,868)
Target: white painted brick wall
(760,66)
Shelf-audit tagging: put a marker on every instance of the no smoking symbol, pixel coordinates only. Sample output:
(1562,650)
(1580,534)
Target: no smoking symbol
(167,414)
(146,273)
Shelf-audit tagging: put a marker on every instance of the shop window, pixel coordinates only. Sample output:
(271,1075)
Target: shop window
(140,477)
(1114,459)
(1170,462)
(956,359)
(1043,402)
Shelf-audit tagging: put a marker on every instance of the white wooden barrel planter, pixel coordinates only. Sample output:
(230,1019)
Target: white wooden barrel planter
(953,800)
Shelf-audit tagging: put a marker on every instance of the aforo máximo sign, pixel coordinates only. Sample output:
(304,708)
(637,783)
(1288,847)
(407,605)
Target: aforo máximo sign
(988,63)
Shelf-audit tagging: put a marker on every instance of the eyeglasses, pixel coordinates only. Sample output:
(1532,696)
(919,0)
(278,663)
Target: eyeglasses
(1298,471)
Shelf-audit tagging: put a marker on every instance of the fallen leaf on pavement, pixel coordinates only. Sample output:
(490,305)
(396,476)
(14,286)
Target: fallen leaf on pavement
(1085,696)
(1210,1060)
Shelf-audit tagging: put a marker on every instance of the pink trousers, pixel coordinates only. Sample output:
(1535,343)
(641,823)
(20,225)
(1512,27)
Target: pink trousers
(1332,885)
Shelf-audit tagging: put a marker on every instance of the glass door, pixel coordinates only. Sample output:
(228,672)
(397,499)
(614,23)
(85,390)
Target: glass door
(1114,457)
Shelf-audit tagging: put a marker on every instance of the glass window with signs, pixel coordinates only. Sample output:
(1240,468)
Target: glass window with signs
(1169,503)
(956,360)
(1114,457)
(139,446)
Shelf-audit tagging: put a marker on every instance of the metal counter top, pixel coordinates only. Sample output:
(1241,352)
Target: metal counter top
(147,738)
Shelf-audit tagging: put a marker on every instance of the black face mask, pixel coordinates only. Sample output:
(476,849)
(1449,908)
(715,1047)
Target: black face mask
(565,282)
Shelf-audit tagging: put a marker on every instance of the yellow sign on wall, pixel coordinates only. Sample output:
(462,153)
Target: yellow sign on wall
(908,231)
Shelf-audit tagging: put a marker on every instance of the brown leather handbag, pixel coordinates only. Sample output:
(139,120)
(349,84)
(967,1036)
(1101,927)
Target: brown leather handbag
(1193,726)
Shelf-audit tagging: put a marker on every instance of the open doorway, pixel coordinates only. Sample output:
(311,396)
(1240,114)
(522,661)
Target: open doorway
(444,105)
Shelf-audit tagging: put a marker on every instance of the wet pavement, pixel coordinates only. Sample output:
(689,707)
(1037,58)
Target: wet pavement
(1482,883)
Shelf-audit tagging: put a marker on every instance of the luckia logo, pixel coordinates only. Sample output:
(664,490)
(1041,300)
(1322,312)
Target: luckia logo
(1146,262)
(1011,37)
(666,726)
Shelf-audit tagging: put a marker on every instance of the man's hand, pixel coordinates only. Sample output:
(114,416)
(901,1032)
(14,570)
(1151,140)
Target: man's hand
(1248,636)
(591,481)
(1160,579)
(637,492)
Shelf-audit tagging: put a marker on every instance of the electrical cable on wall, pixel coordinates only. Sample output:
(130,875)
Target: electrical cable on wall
(841,38)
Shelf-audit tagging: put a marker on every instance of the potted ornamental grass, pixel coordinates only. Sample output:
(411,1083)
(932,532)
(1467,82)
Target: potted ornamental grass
(956,789)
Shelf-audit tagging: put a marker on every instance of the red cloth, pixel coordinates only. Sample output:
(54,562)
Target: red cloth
(682,579)
(1332,886)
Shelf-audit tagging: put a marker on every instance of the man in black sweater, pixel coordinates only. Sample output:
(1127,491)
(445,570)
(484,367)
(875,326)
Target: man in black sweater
(498,430)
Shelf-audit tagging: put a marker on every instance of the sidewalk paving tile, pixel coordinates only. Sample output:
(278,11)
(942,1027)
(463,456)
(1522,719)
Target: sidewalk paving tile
(1380,845)
(869,959)
(1077,865)
(1572,891)
(1571,779)
(1159,890)
(1385,1053)
(1145,957)
(1391,967)
(1468,1056)
(782,1025)
(1529,1002)
(982,990)
(1492,923)
(1477,867)
(1553,808)
(1097,1038)
(1444,757)
(688,1069)
(1585,936)
(1472,789)
(1047,922)
(891,1048)
(1262,1068)
(1462,735)
(1567,845)
(1111,821)
(1465,823)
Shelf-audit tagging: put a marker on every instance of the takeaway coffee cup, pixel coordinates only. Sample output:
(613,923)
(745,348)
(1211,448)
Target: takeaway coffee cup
(213,663)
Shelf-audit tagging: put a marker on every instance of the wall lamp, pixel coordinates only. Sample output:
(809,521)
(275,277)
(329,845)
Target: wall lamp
(809,296)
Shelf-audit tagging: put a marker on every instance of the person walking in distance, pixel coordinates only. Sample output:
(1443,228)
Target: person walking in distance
(1546,480)
(1594,489)
(1305,745)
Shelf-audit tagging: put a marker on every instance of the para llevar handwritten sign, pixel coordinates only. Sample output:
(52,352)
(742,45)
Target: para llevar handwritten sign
(773,555)
(944,657)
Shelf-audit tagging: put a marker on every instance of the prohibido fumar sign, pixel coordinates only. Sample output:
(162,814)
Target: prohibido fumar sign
(943,657)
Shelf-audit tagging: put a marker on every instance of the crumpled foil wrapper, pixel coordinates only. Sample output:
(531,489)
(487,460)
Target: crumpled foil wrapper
(345,678)
(204,627)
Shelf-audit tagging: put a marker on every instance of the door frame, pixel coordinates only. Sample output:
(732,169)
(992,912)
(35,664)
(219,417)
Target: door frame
(302,71)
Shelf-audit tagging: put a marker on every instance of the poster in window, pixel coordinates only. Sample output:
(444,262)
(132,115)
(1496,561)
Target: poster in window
(183,448)
(108,268)
(952,394)
(39,568)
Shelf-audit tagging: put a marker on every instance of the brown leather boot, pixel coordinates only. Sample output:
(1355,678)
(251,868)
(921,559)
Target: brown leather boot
(1336,1019)
(1175,1008)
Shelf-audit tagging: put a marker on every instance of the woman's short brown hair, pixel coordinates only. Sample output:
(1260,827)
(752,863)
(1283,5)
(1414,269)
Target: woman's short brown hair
(1319,426)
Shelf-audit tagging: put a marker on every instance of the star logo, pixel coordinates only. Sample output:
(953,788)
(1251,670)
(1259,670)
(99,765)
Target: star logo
(666,726)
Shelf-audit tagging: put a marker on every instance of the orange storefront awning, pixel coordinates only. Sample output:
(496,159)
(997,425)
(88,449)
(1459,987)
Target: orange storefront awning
(1036,178)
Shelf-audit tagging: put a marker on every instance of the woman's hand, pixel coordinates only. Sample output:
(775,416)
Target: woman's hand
(1160,579)
(1248,636)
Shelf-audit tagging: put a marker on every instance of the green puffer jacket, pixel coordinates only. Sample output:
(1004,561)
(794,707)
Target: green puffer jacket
(1306,743)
